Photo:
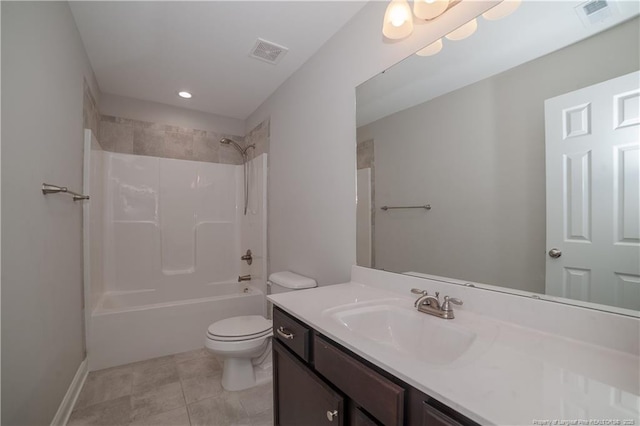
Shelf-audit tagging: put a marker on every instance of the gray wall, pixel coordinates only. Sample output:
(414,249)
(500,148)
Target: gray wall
(477,156)
(154,112)
(43,68)
(312,187)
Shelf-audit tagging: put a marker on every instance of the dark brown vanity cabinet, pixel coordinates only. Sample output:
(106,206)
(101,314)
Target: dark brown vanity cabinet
(317,382)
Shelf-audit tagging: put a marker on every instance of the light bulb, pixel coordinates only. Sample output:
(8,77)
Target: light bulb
(431,49)
(398,21)
(397,17)
(506,8)
(429,9)
(185,95)
(464,31)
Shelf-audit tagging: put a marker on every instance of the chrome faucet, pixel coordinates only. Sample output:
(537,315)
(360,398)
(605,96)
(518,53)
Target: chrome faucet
(431,304)
(244,278)
(248,257)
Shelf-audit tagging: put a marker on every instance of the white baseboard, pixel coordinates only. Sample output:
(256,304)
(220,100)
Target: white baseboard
(66,406)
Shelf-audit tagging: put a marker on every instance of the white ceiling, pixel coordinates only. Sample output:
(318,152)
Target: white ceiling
(151,50)
(535,29)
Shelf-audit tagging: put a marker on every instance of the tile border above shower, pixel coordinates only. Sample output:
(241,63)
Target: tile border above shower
(129,136)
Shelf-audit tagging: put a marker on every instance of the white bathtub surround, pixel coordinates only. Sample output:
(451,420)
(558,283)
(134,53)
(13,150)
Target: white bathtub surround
(253,225)
(173,235)
(164,216)
(529,360)
(127,328)
(93,223)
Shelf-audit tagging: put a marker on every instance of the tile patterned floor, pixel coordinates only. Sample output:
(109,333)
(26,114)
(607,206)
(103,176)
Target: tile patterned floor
(175,390)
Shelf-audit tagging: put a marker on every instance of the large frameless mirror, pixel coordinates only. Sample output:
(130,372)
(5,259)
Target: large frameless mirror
(510,159)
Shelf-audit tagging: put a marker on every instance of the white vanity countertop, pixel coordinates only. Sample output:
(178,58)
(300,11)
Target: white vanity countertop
(518,376)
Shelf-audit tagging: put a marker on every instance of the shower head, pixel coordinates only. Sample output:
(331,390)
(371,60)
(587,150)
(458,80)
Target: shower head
(241,150)
(227,141)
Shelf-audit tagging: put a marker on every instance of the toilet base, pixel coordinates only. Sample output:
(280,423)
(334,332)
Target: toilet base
(241,373)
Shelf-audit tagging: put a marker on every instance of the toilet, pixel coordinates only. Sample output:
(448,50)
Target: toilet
(244,342)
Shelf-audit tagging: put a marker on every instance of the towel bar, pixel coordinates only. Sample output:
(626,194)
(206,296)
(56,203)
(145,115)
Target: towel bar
(55,189)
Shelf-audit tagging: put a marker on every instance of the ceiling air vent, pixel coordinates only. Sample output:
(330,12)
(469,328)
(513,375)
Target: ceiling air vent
(595,12)
(267,51)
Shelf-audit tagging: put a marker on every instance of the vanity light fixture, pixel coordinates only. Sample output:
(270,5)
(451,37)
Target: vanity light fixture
(185,95)
(501,10)
(398,20)
(431,49)
(429,9)
(464,31)
(506,8)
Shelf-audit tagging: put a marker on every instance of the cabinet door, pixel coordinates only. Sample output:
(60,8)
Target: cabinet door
(359,418)
(431,416)
(382,398)
(301,397)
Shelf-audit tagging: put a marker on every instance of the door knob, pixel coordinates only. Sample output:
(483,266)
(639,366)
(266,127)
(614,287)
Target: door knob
(332,415)
(555,253)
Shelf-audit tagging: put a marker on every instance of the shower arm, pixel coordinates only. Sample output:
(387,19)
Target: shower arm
(243,153)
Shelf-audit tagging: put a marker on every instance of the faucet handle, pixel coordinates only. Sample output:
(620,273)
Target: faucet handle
(418,291)
(446,306)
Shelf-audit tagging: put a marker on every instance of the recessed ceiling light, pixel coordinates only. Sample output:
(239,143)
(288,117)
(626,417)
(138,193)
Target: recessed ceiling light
(185,95)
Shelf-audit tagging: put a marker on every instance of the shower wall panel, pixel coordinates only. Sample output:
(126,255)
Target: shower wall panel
(93,221)
(254,224)
(169,222)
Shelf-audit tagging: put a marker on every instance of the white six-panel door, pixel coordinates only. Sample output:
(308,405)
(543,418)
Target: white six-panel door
(593,193)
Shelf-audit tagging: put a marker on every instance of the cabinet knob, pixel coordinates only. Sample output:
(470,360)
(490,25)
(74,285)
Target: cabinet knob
(332,415)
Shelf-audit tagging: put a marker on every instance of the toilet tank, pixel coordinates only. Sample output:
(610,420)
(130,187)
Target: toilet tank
(281,282)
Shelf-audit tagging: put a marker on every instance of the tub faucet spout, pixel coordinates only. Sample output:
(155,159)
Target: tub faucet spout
(244,278)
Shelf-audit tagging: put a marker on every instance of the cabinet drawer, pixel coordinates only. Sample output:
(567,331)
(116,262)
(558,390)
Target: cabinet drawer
(376,394)
(293,334)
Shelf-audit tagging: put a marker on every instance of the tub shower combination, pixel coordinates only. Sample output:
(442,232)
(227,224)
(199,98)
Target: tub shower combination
(163,241)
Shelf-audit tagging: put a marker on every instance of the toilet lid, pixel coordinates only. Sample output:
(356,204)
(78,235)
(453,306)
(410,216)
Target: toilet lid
(248,326)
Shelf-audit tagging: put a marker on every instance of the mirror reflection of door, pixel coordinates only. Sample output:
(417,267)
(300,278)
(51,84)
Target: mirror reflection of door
(363,218)
(365,190)
(593,193)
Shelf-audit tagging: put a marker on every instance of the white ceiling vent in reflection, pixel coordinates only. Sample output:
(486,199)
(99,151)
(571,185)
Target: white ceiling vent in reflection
(267,51)
(595,12)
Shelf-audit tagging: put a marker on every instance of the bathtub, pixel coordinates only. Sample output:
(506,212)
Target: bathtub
(133,326)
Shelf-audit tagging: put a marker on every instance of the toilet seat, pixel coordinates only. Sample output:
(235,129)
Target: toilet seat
(240,328)
(238,338)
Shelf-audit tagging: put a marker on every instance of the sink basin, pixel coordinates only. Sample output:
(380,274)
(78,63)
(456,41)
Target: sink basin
(432,340)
